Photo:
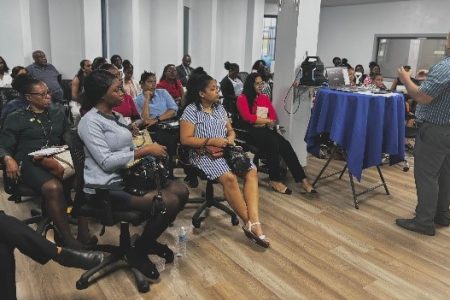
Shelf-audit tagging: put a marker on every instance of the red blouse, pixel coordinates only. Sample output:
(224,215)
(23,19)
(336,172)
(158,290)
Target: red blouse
(127,107)
(174,89)
(250,116)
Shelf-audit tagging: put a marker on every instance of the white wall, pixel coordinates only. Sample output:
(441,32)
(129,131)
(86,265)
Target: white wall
(348,31)
(201,31)
(40,28)
(120,28)
(167,33)
(92,28)
(66,35)
(14,34)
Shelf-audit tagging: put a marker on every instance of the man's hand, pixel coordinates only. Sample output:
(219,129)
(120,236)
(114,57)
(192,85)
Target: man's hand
(403,74)
(296,83)
(150,122)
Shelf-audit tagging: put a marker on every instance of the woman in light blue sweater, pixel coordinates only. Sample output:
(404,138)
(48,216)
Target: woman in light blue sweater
(109,149)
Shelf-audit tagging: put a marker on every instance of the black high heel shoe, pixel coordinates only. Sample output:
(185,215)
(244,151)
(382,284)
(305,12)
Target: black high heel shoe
(162,251)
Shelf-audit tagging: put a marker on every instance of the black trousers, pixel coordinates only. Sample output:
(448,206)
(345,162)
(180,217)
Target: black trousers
(274,145)
(15,234)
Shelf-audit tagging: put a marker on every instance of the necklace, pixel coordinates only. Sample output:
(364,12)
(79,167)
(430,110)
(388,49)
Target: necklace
(47,133)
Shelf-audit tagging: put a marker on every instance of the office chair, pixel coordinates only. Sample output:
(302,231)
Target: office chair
(98,206)
(207,199)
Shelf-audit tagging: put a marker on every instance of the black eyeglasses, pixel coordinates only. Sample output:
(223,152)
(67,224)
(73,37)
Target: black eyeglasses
(42,95)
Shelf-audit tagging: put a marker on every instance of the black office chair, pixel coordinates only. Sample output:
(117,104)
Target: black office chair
(207,199)
(99,207)
(17,192)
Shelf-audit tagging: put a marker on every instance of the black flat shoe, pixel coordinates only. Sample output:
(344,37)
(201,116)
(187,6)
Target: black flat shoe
(412,225)
(162,251)
(79,258)
(287,191)
(142,263)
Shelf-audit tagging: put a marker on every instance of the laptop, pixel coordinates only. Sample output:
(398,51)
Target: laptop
(337,76)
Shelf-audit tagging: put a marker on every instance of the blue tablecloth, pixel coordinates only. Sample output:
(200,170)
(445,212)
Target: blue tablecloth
(364,125)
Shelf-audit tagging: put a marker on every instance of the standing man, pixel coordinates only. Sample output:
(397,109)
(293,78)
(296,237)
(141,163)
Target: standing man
(432,148)
(46,72)
(184,70)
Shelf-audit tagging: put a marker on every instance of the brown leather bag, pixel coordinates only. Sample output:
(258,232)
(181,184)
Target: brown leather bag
(59,165)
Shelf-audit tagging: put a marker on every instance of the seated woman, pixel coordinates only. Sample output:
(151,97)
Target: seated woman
(377,80)
(171,84)
(78,80)
(257,112)
(231,87)
(77,88)
(204,122)
(127,107)
(19,83)
(5,78)
(156,105)
(130,85)
(30,129)
(109,149)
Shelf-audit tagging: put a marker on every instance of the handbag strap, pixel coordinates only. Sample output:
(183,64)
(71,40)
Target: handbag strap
(63,160)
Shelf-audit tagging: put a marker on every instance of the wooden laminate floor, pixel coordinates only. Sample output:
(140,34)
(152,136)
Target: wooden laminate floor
(322,248)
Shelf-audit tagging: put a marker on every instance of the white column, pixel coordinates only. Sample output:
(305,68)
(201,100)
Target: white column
(297,32)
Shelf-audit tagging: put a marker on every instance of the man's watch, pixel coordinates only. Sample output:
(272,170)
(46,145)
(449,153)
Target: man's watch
(158,119)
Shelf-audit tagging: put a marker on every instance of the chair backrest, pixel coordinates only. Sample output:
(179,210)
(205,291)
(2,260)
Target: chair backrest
(102,209)
(243,76)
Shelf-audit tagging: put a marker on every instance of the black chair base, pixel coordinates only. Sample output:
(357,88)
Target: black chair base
(118,253)
(208,201)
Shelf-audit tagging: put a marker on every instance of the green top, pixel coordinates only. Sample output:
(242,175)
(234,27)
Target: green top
(24,131)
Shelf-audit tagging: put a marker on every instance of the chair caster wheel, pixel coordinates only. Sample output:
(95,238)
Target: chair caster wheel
(234,221)
(196,223)
(81,284)
(143,287)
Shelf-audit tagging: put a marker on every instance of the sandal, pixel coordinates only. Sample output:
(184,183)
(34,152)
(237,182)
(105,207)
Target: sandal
(259,240)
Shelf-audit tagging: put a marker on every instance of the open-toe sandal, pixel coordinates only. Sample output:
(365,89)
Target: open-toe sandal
(260,240)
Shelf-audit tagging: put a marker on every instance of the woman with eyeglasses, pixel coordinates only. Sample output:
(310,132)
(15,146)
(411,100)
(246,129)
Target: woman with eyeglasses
(259,117)
(171,84)
(26,130)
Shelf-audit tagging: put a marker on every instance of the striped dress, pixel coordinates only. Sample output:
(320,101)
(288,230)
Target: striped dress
(207,125)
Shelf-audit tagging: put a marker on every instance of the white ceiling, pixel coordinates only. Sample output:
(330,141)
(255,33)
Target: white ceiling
(345,2)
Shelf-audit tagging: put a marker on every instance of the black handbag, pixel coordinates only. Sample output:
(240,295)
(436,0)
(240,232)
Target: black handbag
(146,175)
(236,158)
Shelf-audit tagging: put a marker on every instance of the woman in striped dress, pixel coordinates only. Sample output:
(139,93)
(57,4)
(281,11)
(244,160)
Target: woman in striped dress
(205,123)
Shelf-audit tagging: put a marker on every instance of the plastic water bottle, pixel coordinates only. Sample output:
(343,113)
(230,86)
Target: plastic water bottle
(182,241)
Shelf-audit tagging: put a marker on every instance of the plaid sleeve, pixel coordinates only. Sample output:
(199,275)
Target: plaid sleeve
(437,80)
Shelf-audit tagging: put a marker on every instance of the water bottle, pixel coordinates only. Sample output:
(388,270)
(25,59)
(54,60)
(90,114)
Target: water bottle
(182,241)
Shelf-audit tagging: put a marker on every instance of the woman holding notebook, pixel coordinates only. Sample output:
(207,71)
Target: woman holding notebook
(259,116)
